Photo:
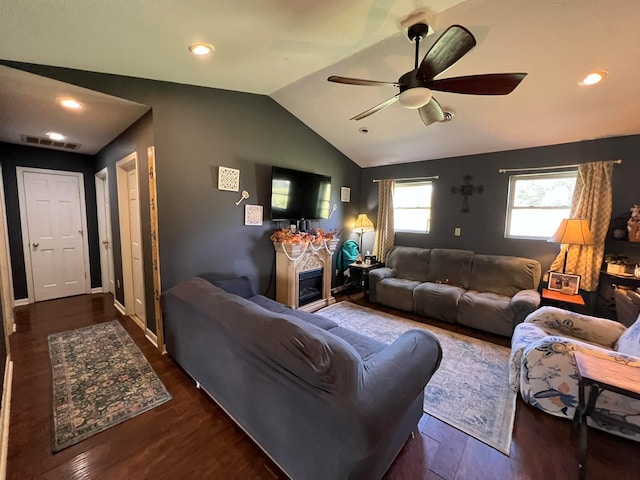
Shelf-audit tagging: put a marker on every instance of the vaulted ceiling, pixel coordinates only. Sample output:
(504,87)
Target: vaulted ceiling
(288,48)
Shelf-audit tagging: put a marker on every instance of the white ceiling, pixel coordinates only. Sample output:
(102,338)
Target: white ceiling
(287,49)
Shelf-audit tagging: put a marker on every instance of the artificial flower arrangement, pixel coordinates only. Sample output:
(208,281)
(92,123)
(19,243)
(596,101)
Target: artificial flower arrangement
(316,236)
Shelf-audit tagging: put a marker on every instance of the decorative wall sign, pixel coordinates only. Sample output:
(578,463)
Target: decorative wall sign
(228,179)
(253,214)
(466,190)
(345,194)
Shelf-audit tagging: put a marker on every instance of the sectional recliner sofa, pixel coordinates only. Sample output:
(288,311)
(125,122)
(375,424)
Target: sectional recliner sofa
(493,293)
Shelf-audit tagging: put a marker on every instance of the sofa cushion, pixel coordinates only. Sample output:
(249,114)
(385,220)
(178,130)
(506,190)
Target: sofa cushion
(503,274)
(629,341)
(437,300)
(410,263)
(486,311)
(241,286)
(317,320)
(397,293)
(450,266)
(367,347)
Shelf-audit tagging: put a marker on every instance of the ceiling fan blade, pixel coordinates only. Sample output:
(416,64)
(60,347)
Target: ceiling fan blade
(488,84)
(452,45)
(359,81)
(377,108)
(432,112)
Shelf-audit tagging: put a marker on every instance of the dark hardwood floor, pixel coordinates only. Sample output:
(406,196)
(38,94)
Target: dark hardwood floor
(191,437)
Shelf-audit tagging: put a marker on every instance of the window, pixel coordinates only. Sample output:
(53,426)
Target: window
(537,203)
(412,207)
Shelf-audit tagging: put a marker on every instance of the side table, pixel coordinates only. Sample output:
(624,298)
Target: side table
(360,273)
(559,299)
(600,374)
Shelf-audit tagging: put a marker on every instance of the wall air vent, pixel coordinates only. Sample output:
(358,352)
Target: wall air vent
(47,142)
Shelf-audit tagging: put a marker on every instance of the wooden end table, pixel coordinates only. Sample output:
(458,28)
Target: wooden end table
(600,374)
(360,273)
(562,300)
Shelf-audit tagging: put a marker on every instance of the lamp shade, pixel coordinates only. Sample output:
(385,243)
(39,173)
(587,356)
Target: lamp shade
(415,97)
(573,231)
(363,224)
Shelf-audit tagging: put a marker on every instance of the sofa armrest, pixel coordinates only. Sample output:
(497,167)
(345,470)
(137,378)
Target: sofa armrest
(523,336)
(396,375)
(376,276)
(523,303)
(584,327)
(549,377)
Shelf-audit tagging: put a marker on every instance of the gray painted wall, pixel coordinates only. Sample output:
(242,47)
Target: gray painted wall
(483,227)
(12,156)
(198,129)
(135,139)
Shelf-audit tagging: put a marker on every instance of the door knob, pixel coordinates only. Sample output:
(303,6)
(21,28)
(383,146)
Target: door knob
(36,244)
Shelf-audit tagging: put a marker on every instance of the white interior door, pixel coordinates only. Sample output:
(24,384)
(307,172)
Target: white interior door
(55,228)
(136,245)
(104,232)
(130,238)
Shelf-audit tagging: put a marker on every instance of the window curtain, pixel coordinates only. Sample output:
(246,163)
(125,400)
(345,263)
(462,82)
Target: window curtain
(592,200)
(385,234)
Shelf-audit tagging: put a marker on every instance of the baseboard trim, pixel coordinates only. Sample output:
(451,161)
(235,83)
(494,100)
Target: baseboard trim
(152,337)
(21,302)
(119,307)
(96,290)
(4,417)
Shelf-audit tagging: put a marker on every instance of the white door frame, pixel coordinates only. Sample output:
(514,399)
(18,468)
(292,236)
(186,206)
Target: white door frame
(6,275)
(25,231)
(104,231)
(123,167)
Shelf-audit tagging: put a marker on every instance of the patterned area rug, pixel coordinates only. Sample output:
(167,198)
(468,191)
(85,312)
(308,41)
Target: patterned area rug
(100,379)
(469,391)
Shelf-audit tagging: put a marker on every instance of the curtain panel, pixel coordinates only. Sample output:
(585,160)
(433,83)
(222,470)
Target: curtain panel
(592,199)
(385,234)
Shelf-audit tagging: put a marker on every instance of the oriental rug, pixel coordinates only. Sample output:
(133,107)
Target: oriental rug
(100,379)
(470,391)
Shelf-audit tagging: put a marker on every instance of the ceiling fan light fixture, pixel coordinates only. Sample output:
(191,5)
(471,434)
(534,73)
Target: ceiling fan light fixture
(592,78)
(415,97)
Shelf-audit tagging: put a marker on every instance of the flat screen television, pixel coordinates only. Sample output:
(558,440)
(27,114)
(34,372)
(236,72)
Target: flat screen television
(297,195)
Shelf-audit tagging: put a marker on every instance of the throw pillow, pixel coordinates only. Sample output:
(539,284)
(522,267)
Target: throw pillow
(629,341)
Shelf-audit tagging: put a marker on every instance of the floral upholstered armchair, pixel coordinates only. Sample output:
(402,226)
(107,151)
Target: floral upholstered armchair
(543,367)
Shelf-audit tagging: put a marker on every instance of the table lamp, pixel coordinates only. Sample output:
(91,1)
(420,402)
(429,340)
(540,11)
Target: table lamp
(572,231)
(363,224)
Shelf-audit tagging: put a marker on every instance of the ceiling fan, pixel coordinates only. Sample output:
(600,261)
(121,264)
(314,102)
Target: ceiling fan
(416,85)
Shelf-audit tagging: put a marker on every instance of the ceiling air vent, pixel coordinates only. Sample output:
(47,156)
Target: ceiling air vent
(47,142)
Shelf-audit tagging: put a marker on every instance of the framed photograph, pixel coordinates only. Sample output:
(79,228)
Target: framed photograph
(345,194)
(564,283)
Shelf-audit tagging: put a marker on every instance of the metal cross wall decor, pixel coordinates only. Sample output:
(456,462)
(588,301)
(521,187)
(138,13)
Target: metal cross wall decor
(466,190)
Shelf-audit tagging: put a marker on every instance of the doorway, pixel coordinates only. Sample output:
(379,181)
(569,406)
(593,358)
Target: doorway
(54,222)
(105,242)
(131,238)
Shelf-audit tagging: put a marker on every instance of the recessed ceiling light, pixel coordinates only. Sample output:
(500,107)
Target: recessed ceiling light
(592,78)
(200,49)
(56,136)
(71,103)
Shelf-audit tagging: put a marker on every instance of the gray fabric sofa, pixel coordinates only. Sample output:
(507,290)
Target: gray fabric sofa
(493,293)
(322,401)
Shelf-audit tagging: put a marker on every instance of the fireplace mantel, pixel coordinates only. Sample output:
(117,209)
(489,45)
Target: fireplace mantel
(294,258)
